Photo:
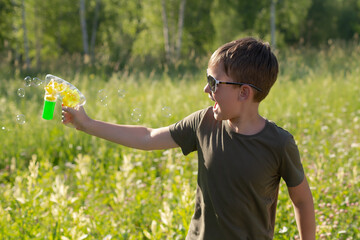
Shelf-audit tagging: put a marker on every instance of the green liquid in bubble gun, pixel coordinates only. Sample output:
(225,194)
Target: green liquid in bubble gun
(59,88)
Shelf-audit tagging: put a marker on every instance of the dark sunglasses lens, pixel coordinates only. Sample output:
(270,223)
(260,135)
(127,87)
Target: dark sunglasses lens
(211,82)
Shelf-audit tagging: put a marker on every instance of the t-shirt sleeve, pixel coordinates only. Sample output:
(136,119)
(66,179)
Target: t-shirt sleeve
(291,169)
(184,132)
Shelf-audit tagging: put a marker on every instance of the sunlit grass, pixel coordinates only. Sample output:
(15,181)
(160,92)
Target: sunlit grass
(58,183)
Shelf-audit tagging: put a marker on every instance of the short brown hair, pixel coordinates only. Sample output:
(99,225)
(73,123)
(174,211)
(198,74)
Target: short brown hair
(248,60)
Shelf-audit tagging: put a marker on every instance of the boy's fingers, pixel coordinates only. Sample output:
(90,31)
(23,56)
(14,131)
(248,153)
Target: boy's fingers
(65,117)
(66,114)
(67,109)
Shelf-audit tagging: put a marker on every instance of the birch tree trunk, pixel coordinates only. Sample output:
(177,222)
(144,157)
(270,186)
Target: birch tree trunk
(84,31)
(165,31)
(26,44)
(272,23)
(94,30)
(180,28)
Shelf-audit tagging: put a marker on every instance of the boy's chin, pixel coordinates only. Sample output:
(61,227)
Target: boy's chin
(218,117)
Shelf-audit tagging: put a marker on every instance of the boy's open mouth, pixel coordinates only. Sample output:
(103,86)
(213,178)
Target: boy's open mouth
(215,106)
(212,99)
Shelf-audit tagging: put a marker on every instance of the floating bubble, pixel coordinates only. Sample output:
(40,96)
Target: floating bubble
(20,118)
(166,112)
(27,82)
(103,98)
(103,101)
(37,81)
(121,93)
(136,115)
(21,92)
(5,129)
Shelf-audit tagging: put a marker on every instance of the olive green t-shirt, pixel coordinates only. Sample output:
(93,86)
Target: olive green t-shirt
(238,176)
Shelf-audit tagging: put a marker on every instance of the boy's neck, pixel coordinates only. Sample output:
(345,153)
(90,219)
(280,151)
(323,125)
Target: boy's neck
(247,124)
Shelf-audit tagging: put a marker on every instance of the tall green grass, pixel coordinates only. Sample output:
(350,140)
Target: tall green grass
(57,183)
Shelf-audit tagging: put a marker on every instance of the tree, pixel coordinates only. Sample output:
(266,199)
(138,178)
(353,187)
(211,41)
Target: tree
(172,43)
(233,19)
(94,30)
(180,28)
(348,23)
(166,32)
(291,17)
(272,23)
(321,21)
(84,31)
(6,13)
(25,36)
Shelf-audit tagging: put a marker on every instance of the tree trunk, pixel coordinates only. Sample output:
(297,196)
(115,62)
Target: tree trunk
(84,31)
(272,23)
(38,30)
(165,31)
(16,50)
(180,28)
(94,30)
(26,44)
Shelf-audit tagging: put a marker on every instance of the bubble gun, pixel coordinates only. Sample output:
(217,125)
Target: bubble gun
(57,88)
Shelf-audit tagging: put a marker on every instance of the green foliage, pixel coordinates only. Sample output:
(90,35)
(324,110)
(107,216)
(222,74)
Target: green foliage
(6,11)
(58,183)
(290,19)
(130,33)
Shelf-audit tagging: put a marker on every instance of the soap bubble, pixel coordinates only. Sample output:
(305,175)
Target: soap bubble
(136,115)
(166,112)
(20,118)
(27,82)
(103,98)
(103,101)
(121,93)
(21,92)
(37,81)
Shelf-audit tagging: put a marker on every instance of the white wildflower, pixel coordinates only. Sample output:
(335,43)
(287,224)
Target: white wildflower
(107,237)
(166,214)
(83,166)
(34,170)
(283,230)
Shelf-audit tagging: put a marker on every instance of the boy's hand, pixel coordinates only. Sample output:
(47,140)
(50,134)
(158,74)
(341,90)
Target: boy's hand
(75,116)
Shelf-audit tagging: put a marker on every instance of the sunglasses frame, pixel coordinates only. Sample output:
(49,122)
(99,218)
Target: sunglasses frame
(217,82)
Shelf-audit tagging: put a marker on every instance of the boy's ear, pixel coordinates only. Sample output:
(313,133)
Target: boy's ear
(245,92)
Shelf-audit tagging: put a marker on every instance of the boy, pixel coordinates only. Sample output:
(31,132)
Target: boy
(241,155)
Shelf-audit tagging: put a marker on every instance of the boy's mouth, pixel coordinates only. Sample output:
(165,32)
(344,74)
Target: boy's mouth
(215,106)
(212,99)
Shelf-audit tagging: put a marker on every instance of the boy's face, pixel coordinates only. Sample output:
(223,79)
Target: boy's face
(226,96)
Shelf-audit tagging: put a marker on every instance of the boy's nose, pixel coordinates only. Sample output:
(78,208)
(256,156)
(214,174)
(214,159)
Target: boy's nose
(207,88)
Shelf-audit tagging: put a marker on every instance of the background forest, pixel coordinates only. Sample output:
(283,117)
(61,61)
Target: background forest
(111,35)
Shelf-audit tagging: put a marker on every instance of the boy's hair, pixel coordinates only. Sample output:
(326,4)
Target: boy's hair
(248,60)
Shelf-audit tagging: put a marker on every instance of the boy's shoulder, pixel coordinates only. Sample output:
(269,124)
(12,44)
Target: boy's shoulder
(278,129)
(282,135)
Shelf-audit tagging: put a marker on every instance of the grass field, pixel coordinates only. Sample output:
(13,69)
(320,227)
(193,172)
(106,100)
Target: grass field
(57,183)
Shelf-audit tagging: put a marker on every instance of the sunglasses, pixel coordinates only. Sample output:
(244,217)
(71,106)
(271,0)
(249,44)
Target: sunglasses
(213,83)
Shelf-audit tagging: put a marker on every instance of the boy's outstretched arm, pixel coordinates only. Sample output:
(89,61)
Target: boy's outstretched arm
(131,136)
(302,200)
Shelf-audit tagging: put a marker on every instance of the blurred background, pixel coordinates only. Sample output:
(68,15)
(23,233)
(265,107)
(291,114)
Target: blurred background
(143,62)
(108,36)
